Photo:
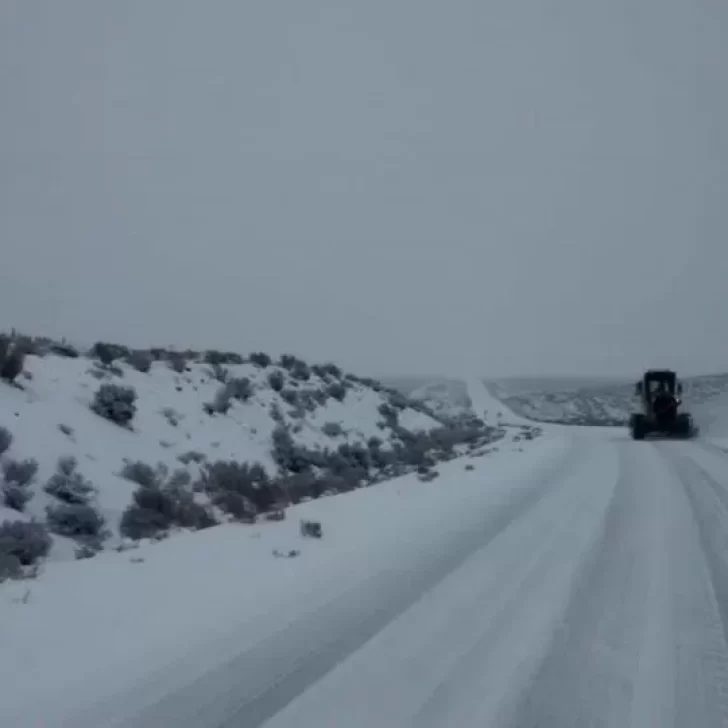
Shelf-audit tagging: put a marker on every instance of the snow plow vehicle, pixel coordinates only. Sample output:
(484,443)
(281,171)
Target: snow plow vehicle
(660,396)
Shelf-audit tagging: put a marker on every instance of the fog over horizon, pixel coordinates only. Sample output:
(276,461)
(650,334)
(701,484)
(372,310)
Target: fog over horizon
(508,188)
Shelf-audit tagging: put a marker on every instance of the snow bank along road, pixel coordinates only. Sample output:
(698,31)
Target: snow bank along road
(592,590)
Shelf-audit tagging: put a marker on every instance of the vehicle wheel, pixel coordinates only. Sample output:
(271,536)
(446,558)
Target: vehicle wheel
(686,425)
(637,427)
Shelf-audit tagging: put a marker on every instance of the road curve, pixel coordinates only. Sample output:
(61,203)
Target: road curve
(596,596)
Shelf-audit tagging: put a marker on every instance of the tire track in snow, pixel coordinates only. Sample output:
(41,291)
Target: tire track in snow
(586,673)
(643,640)
(502,660)
(463,655)
(708,501)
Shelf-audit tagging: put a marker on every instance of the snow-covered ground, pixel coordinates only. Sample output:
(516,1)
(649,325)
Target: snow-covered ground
(470,394)
(449,397)
(109,634)
(489,407)
(575,579)
(50,418)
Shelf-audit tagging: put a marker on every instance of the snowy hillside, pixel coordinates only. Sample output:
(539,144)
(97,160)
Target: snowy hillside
(104,637)
(589,402)
(603,404)
(461,397)
(121,445)
(448,397)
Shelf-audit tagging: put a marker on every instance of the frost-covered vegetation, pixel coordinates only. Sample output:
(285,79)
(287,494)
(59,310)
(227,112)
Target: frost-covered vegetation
(113,444)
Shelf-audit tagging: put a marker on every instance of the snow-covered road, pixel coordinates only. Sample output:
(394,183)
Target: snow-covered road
(595,594)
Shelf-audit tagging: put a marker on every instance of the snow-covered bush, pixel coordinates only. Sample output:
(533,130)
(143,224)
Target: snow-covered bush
(297,487)
(221,404)
(79,521)
(320,396)
(319,370)
(12,356)
(260,359)
(190,514)
(177,362)
(300,370)
(142,474)
(20,472)
(140,360)
(9,567)
(331,370)
(172,416)
(290,456)
(398,400)
(115,403)
(68,485)
(309,399)
(380,458)
(107,353)
(289,361)
(157,509)
(276,413)
(240,388)
(151,511)
(343,473)
(192,456)
(276,380)
(4,348)
(180,478)
(16,496)
(415,448)
(236,505)
(342,482)
(311,529)
(336,390)
(6,440)
(65,350)
(389,414)
(332,429)
(227,482)
(26,541)
(214,357)
(12,366)
(219,372)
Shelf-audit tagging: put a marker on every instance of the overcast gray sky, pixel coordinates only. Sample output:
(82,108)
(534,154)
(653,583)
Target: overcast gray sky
(508,186)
